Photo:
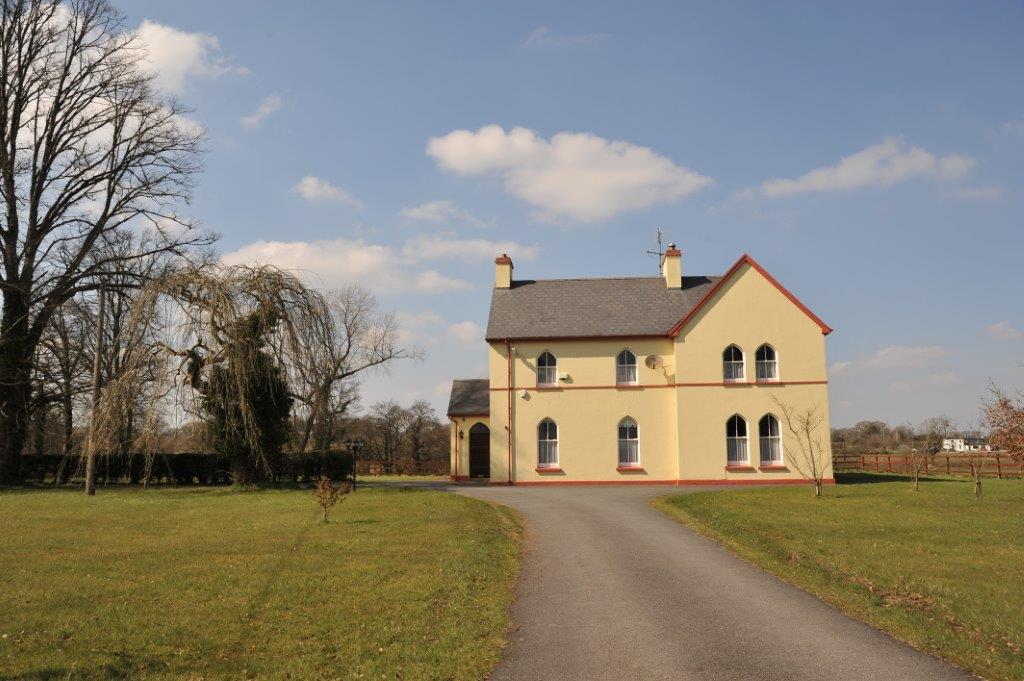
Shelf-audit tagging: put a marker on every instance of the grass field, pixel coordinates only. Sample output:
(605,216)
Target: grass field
(936,568)
(207,583)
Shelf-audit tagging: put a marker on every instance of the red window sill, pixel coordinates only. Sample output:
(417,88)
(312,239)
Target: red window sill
(773,468)
(739,468)
(768,380)
(630,469)
(548,470)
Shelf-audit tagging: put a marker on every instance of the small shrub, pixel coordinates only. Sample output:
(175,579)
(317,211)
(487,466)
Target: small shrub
(327,495)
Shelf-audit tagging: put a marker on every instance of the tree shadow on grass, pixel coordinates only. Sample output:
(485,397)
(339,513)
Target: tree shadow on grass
(863,477)
(125,666)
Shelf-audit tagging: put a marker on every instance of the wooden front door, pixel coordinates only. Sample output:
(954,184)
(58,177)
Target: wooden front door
(479,451)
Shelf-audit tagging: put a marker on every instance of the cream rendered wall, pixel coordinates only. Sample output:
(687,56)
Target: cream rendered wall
(461,447)
(587,409)
(747,311)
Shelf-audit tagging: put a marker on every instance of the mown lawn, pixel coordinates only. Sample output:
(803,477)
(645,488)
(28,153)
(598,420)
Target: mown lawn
(936,568)
(207,583)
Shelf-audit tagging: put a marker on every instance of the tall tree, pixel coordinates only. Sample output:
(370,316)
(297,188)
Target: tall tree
(359,338)
(87,148)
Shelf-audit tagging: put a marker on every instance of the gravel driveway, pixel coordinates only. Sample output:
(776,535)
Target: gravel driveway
(612,589)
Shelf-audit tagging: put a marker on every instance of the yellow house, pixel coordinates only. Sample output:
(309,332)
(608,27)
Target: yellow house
(672,379)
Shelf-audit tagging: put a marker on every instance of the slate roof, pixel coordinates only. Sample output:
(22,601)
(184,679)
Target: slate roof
(579,308)
(470,397)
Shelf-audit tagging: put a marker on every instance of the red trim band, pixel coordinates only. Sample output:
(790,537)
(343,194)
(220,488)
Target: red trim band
(676,483)
(626,386)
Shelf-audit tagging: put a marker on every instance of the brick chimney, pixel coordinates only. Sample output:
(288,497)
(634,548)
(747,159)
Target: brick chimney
(503,271)
(672,267)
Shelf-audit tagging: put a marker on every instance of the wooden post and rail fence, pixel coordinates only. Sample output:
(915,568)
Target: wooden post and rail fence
(995,464)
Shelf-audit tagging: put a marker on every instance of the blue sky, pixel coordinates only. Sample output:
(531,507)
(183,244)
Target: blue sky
(871,157)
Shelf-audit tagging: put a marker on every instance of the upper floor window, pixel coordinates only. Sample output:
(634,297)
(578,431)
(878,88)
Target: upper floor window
(629,443)
(547,444)
(767,363)
(732,364)
(625,367)
(547,369)
(771,440)
(736,440)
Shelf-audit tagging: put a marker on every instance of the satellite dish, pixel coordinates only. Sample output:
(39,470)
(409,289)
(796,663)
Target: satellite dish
(654,362)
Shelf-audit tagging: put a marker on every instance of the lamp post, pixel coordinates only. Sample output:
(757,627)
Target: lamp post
(353,447)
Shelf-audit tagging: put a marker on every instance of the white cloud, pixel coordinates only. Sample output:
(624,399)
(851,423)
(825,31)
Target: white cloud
(268,106)
(1013,127)
(175,56)
(442,389)
(543,36)
(419,320)
(315,190)
(892,357)
(881,165)
(337,262)
(579,176)
(978,193)
(440,211)
(380,267)
(1004,331)
(942,379)
(442,247)
(467,333)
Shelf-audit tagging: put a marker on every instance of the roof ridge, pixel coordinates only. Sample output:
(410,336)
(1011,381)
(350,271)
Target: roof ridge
(650,278)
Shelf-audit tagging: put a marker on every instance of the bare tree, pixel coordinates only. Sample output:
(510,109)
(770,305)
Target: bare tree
(1004,415)
(422,424)
(809,457)
(358,339)
(389,431)
(928,438)
(87,149)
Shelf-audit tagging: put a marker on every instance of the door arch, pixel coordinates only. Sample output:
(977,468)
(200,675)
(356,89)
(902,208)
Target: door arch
(479,451)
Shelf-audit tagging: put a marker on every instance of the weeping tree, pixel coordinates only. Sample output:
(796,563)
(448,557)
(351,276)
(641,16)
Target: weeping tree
(87,147)
(226,336)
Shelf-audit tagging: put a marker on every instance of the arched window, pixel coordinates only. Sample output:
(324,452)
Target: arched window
(629,444)
(547,444)
(547,369)
(736,439)
(771,441)
(625,367)
(767,363)
(732,363)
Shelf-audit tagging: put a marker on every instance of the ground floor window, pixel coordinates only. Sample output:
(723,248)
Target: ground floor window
(629,443)
(736,439)
(771,440)
(547,444)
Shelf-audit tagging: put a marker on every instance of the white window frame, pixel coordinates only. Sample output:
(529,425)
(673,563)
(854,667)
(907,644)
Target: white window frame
(730,366)
(736,443)
(547,448)
(627,422)
(622,369)
(547,376)
(772,363)
(770,442)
